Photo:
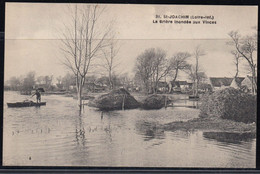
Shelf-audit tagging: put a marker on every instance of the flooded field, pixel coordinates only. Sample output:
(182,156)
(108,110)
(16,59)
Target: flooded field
(57,135)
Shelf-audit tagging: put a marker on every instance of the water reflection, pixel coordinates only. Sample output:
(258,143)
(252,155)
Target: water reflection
(108,127)
(188,103)
(149,130)
(57,134)
(228,137)
(80,131)
(102,115)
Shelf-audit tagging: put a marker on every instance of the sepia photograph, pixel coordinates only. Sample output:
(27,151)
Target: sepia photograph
(130,85)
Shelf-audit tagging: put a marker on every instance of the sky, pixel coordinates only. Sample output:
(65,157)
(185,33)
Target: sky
(32,35)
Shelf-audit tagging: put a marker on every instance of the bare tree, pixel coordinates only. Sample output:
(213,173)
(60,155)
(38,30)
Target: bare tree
(160,68)
(246,47)
(68,80)
(29,81)
(237,57)
(151,67)
(200,76)
(110,62)
(15,83)
(178,62)
(83,41)
(196,68)
(143,67)
(124,80)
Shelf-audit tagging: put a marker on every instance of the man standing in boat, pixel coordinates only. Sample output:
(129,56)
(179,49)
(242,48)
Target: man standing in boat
(38,96)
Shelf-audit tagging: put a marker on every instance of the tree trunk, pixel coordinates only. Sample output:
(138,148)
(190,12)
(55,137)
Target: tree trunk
(80,85)
(254,81)
(156,88)
(146,87)
(176,74)
(196,87)
(80,96)
(236,70)
(196,75)
(193,88)
(123,104)
(110,80)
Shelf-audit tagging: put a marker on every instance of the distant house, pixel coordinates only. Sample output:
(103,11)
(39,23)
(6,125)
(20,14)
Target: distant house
(183,85)
(162,86)
(175,86)
(72,87)
(94,87)
(180,86)
(190,85)
(236,82)
(246,84)
(220,82)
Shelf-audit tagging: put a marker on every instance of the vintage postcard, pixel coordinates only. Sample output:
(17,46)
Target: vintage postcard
(124,85)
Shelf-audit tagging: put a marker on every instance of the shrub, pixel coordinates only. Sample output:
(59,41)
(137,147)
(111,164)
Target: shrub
(230,104)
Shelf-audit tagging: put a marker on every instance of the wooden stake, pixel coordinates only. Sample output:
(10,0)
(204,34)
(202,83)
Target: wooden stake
(123,104)
(165,102)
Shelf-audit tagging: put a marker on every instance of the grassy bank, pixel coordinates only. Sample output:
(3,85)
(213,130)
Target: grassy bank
(211,124)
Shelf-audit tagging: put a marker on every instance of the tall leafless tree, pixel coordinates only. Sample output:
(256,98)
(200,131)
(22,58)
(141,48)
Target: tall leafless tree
(143,68)
(196,68)
(151,67)
(68,80)
(82,41)
(246,47)
(160,68)
(178,62)
(236,61)
(200,76)
(29,81)
(110,63)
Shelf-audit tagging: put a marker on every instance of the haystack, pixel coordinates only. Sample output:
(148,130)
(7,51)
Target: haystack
(115,100)
(155,102)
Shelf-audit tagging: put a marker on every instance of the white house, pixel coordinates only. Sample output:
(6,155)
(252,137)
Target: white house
(236,82)
(218,83)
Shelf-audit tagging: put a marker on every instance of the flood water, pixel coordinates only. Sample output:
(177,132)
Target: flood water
(57,135)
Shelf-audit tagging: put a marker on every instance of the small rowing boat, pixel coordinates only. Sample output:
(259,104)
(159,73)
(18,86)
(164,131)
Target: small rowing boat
(25,104)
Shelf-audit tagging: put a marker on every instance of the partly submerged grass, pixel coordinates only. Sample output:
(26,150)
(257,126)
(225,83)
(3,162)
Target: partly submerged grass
(212,124)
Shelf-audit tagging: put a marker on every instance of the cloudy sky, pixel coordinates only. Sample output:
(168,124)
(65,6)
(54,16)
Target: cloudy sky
(32,35)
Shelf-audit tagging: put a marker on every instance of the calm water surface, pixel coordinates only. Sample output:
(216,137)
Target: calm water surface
(57,135)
